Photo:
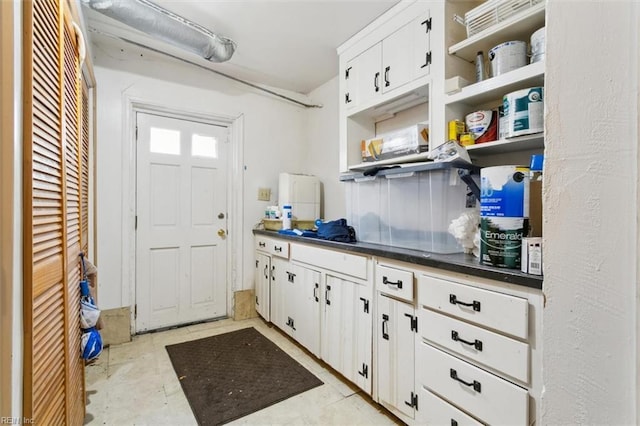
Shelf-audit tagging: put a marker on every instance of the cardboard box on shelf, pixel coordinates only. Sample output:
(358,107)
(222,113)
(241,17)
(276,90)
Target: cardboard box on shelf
(409,140)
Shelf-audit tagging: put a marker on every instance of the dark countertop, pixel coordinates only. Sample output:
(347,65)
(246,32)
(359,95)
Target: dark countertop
(459,262)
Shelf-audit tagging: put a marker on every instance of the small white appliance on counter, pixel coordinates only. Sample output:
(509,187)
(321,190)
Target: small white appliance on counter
(302,192)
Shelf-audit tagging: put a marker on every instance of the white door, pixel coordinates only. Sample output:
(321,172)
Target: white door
(181,215)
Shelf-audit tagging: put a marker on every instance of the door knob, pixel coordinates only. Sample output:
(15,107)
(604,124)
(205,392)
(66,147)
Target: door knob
(221,233)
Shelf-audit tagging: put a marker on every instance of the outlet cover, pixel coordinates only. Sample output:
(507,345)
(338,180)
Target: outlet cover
(264,194)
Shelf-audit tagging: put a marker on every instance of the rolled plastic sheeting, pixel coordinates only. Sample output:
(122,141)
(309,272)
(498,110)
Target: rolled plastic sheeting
(167,26)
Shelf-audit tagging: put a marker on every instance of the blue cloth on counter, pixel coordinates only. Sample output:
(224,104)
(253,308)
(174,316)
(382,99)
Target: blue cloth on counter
(337,230)
(299,233)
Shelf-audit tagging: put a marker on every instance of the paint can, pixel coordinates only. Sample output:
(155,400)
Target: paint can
(508,56)
(504,211)
(501,241)
(483,125)
(504,191)
(524,111)
(538,45)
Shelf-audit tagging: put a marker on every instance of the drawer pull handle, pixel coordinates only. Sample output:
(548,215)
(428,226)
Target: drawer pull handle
(398,283)
(476,343)
(278,249)
(454,301)
(385,320)
(454,422)
(476,384)
(262,244)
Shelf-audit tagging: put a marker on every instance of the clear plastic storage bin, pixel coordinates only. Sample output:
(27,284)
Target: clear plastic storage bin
(410,209)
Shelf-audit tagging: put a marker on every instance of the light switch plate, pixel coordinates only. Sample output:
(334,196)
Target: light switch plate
(264,194)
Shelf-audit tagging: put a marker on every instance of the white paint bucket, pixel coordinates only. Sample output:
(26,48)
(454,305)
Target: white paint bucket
(538,45)
(504,191)
(507,57)
(524,111)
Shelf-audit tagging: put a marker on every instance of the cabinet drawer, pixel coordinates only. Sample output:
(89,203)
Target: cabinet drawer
(488,397)
(349,264)
(439,412)
(394,282)
(262,244)
(491,349)
(279,248)
(508,314)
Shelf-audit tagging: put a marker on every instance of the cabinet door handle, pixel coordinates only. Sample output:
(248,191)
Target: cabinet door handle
(385,321)
(454,375)
(398,283)
(266,271)
(454,422)
(476,343)
(386,76)
(273,273)
(315,292)
(257,301)
(326,295)
(291,277)
(347,99)
(454,301)
(375,81)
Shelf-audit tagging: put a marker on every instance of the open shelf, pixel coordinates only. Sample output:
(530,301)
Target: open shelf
(520,143)
(493,88)
(517,27)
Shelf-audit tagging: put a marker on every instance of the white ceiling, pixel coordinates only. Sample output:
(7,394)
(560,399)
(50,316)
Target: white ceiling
(289,44)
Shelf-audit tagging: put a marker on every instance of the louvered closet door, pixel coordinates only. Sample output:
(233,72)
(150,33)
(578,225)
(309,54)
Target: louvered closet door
(74,196)
(53,369)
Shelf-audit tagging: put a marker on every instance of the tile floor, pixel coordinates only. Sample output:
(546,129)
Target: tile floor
(134,384)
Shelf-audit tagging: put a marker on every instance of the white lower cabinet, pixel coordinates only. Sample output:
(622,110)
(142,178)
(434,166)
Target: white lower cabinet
(302,306)
(279,280)
(435,411)
(449,348)
(346,330)
(396,355)
(263,283)
(488,397)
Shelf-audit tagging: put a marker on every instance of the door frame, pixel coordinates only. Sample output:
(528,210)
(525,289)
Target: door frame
(234,195)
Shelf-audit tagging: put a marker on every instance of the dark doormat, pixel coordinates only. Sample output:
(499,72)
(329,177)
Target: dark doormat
(230,375)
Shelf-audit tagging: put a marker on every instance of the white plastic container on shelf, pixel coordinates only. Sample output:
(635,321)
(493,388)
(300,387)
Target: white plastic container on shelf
(407,209)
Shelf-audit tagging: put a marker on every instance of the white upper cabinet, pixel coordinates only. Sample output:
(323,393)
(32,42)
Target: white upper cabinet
(368,79)
(397,59)
(422,55)
(386,69)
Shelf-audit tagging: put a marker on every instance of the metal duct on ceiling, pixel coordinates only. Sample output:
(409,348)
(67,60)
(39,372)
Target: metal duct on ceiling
(154,20)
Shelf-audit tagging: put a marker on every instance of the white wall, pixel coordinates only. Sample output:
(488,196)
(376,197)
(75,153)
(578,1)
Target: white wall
(273,142)
(591,211)
(322,140)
